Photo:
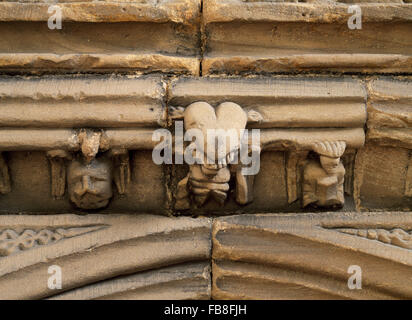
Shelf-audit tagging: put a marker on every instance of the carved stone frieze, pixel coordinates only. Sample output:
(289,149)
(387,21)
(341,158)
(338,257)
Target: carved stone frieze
(12,241)
(205,149)
(283,110)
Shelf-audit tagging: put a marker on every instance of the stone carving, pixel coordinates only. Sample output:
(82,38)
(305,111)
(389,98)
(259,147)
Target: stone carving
(57,160)
(121,256)
(5,186)
(90,184)
(255,256)
(211,180)
(396,237)
(89,175)
(12,241)
(323,179)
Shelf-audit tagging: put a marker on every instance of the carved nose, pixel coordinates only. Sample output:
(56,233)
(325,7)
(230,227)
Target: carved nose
(86,186)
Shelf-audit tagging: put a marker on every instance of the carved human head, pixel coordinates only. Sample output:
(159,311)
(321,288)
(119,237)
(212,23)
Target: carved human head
(90,183)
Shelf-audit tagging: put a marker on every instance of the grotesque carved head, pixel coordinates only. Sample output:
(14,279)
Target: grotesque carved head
(90,184)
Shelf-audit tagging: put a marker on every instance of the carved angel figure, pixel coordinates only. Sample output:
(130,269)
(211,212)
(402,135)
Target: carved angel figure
(323,180)
(211,180)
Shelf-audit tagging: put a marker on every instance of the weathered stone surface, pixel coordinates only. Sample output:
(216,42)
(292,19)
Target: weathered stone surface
(283,108)
(96,119)
(159,11)
(281,101)
(112,256)
(271,36)
(31,191)
(187,281)
(390,103)
(77,118)
(307,256)
(381,179)
(82,101)
(142,36)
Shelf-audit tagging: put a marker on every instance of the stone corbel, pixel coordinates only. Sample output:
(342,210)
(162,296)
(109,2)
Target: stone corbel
(305,148)
(94,172)
(5,185)
(206,181)
(323,178)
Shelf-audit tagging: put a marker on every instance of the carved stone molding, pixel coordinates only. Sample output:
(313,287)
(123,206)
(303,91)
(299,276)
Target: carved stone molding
(101,36)
(323,179)
(244,37)
(12,241)
(86,126)
(307,256)
(283,108)
(106,256)
(211,180)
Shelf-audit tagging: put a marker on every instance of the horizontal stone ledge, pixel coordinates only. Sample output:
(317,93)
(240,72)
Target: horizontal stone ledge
(339,62)
(142,139)
(67,139)
(327,12)
(303,139)
(96,62)
(177,11)
(277,88)
(279,101)
(391,137)
(59,102)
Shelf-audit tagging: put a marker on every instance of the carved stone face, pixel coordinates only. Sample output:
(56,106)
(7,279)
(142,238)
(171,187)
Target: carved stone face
(90,185)
(329,164)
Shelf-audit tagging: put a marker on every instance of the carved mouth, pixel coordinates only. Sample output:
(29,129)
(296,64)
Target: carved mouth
(91,201)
